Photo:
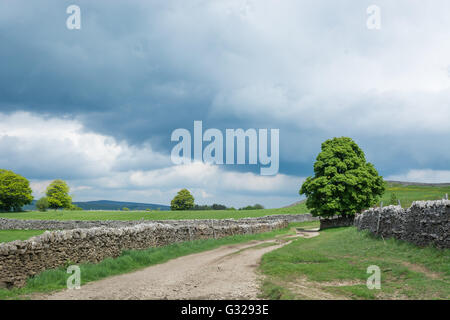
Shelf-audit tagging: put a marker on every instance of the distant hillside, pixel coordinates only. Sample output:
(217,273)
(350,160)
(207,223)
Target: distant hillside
(295,203)
(110,205)
(422,184)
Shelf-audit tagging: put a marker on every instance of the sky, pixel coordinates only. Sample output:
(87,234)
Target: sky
(96,106)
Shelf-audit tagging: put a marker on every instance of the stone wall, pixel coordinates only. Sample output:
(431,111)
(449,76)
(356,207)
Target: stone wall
(424,223)
(53,249)
(19,224)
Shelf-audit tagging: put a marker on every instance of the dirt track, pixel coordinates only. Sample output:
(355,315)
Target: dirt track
(228,272)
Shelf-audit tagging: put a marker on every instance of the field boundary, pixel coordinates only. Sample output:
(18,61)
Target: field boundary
(424,223)
(19,224)
(53,249)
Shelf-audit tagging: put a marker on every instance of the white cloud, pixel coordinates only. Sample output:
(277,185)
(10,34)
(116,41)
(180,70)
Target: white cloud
(62,147)
(423,175)
(98,167)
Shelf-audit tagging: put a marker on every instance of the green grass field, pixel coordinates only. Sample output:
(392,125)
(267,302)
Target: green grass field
(153,215)
(408,194)
(11,235)
(334,265)
(132,260)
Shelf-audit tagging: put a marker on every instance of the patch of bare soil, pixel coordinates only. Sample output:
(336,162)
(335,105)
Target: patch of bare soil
(312,290)
(422,269)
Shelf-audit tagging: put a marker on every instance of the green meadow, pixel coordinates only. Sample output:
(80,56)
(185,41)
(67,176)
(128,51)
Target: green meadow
(408,194)
(152,215)
(334,265)
(11,235)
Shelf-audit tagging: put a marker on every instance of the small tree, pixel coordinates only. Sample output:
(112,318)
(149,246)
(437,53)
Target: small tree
(343,183)
(182,201)
(58,195)
(125,209)
(42,204)
(393,200)
(15,191)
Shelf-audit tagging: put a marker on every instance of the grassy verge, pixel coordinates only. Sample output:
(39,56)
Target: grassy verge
(152,215)
(11,235)
(131,260)
(334,265)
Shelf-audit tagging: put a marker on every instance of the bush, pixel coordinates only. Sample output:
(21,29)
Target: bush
(255,207)
(15,191)
(343,183)
(74,208)
(182,201)
(42,204)
(125,209)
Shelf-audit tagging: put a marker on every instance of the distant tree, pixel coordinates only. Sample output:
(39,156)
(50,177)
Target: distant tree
(343,183)
(148,209)
(42,204)
(393,200)
(255,207)
(58,195)
(125,209)
(73,207)
(216,206)
(15,191)
(182,201)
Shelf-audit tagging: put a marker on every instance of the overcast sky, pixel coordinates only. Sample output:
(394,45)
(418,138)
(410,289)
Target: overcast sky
(97,106)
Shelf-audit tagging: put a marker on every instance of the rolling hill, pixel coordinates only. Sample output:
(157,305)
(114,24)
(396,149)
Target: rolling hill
(110,205)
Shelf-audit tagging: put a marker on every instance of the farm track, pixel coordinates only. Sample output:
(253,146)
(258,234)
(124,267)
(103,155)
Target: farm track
(228,272)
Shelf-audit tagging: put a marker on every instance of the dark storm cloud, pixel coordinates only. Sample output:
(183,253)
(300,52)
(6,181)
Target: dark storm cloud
(139,69)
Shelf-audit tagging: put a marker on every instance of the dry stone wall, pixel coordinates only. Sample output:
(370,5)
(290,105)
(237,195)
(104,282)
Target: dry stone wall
(19,224)
(53,249)
(424,223)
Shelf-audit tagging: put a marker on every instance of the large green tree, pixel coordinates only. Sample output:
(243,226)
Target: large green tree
(343,183)
(182,201)
(15,191)
(58,195)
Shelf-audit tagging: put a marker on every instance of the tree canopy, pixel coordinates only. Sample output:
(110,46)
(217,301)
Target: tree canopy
(182,201)
(15,191)
(343,183)
(58,195)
